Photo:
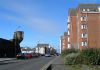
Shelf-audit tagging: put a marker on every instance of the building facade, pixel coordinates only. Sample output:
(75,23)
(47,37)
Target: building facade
(42,49)
(10,48)
(63,42)
(84,26)
(27,50)
(72,29)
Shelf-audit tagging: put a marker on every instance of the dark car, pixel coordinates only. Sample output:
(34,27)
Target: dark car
(24,56)
(57,54)
(20,56)
(35,55)
(47,55)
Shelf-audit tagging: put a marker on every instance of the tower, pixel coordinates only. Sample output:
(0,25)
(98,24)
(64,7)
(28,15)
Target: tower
(17,38)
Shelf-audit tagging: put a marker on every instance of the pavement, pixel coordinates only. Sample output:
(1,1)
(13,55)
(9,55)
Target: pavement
(55,64)
(7,60)
(58,64)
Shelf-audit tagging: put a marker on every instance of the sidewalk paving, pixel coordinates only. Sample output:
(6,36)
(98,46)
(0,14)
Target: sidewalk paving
(58,64)
(7,60)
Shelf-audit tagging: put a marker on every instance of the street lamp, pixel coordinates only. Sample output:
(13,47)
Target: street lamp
(38,46)
(15,42)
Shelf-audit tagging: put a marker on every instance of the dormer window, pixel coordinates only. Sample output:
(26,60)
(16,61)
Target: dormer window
(83,9)
(99,9)
(88,10)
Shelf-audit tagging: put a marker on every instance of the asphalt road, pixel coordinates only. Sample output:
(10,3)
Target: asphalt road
(30,64)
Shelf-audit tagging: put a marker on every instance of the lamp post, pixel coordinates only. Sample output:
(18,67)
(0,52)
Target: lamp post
(15,43)
(38,46)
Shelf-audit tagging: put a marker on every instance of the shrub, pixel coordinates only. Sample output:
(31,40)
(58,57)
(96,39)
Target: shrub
(68,51)
(71,58)
(86,56)
(92,56)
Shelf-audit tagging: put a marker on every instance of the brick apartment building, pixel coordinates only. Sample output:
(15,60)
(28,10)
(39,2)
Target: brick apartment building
(84,26)
(63,42)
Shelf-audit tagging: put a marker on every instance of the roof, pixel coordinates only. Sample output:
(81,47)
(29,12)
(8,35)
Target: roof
(72,12)
(4,40)
(42,45)
(92,7)
(88,5)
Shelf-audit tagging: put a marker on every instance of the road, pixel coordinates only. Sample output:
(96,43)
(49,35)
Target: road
(30,64)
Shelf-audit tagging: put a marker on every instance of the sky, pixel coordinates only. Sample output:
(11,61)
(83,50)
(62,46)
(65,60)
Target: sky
(42,21)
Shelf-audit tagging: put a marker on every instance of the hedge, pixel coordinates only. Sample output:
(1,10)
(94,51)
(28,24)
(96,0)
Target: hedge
(86,56)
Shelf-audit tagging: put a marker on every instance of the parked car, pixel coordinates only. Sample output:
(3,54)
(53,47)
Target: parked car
(20,56)
(35,55)
(24,56)
(56,54)
(28,55)
(47,55)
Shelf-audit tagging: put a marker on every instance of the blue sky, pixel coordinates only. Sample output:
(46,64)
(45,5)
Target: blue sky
(41,20)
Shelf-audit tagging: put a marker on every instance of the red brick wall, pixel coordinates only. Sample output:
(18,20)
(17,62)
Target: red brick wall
(93,29)
(73,31)
(64,41)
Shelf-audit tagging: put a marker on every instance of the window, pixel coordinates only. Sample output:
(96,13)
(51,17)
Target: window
(69,46)
(83,35)
(68,32)
(84,43)
(63,43)
(88,10)
(68,25)
(68,39)
(83,26)
(83,9)
(99,9)
(83,18)
(68,20)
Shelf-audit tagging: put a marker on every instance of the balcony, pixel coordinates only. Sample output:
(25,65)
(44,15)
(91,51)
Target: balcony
(68,26)
(68,20)
(68,32)
(83,18)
